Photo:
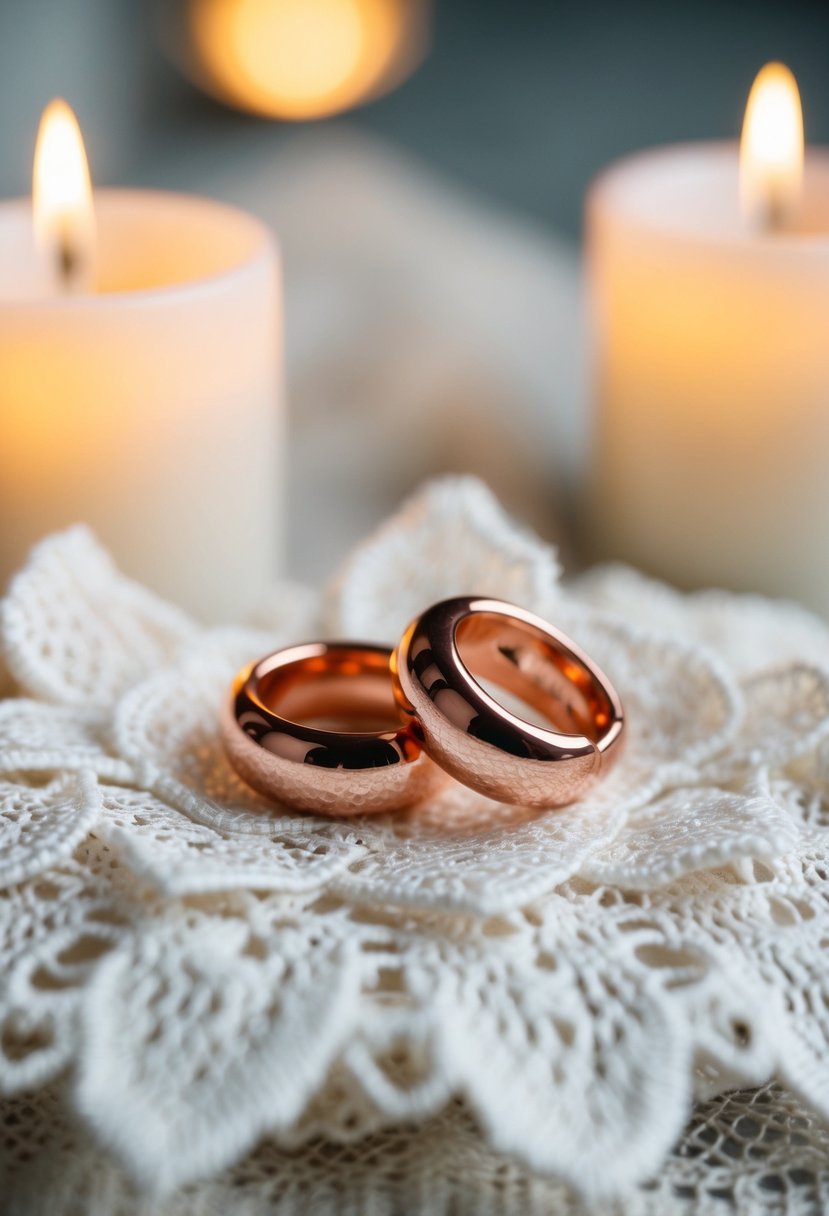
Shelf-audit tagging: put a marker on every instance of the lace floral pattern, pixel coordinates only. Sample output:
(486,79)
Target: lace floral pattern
(758,1153)
(207,970)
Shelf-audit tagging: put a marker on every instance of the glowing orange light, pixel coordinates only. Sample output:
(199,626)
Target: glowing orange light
(771,149)
(302,59)
(64,216)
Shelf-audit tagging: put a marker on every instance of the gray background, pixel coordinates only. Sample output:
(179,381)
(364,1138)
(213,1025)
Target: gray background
(523,101)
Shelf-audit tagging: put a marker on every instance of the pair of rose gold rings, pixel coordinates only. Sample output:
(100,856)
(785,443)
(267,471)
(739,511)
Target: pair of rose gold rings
(431,709)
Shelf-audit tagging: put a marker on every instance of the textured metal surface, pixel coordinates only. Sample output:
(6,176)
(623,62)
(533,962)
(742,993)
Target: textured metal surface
(477,739)
(299,762)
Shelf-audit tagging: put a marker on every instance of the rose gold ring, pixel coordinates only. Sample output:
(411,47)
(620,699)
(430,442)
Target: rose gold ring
(277,731)
(481,742)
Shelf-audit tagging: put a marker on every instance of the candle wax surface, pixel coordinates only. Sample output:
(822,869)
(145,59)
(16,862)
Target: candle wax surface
(711,377)
(693,190)
(150,408)
(146,240)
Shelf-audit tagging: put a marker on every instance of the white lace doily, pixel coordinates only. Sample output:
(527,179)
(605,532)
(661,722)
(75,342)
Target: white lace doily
(193,971)
(756,1154)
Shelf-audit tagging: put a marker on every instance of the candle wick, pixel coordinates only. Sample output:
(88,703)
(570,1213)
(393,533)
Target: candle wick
(776,213)
(70,265)
(775,216)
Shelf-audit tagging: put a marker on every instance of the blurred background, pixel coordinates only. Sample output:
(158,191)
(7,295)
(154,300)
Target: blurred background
(425,166)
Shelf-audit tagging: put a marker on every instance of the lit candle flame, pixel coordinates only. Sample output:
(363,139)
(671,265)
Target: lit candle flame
(771,149)
(64,216)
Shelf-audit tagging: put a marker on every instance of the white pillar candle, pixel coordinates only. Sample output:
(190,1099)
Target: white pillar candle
(148,408)
(712,374)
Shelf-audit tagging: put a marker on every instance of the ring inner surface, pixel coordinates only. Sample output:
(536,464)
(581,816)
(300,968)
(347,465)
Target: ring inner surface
(343,691)
(534,668)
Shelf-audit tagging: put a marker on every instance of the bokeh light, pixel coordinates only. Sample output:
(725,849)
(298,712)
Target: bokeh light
(302,59)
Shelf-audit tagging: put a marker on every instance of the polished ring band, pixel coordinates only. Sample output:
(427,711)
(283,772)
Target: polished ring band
(481,742)
(274,735)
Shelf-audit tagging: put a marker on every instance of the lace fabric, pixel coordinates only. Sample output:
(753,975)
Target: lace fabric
(754,1154)
(194,970)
